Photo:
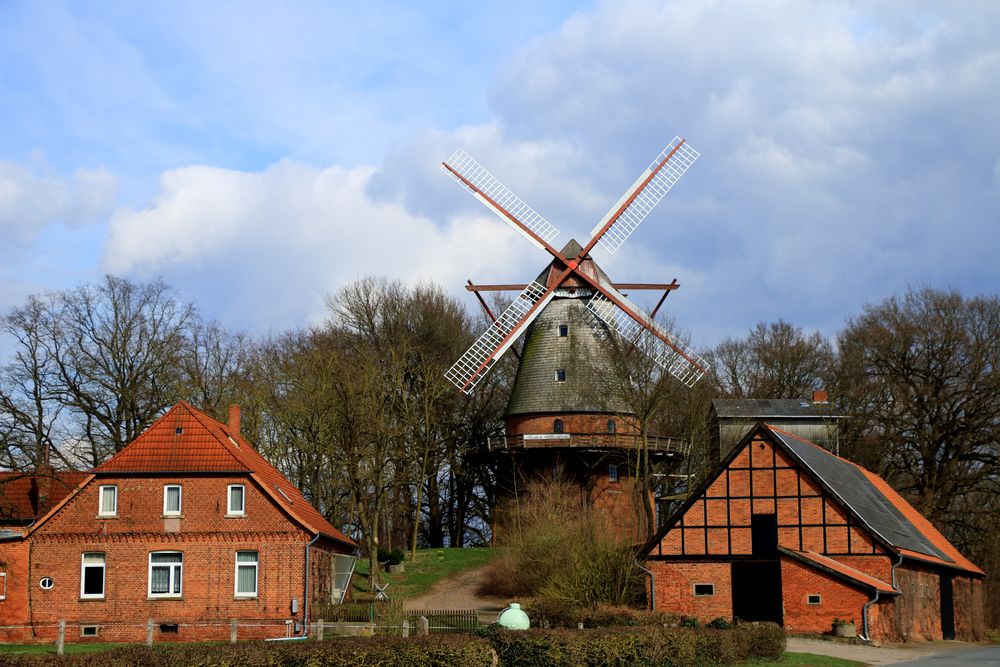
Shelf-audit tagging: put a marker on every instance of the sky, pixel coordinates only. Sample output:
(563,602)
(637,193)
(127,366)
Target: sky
(259,156)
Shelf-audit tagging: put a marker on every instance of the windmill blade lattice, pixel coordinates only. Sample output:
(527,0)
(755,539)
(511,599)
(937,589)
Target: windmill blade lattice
(490,346)
(647,191)
(668,352)
(465,171)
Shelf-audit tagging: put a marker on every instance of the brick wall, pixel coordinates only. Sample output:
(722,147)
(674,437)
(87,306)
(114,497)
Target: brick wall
(675,589)
(572,423)
(837,599)
(206,537)
(970,620)
(14,607)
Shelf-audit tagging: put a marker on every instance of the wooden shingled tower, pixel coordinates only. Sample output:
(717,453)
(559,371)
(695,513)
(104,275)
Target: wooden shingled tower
(561,421)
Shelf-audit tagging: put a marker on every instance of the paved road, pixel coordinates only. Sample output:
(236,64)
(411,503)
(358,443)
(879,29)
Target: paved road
(976,657)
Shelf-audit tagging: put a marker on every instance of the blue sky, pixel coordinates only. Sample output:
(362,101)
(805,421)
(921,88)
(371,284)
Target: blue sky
(259,156)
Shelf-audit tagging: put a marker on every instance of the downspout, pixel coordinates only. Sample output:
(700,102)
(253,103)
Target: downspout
(305,596)
(894,566)
(652,584)
(864,617)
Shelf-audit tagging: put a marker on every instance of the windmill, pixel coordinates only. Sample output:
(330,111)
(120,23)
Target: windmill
(611,306)
(555,424)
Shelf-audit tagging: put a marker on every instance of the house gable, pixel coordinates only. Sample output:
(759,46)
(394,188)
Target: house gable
(760,477)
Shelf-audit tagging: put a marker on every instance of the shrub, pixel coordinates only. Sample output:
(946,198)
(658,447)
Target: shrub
(689,622)
(719,623)
(436,651)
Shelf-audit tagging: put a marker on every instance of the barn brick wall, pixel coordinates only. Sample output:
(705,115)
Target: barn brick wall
(14,559)
(208,540)
(837,599)
(675,589)
(915,614)
(970,619)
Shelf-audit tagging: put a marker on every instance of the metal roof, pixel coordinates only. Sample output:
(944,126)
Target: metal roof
(770,408)
(854,490)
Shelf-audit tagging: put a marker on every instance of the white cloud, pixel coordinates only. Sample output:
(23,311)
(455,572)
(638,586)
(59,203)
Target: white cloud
(262,249)
(31,200)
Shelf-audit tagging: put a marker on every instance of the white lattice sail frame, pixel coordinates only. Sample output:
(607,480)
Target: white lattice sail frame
(497,339)
(669,172)
(495,191)
(675,357)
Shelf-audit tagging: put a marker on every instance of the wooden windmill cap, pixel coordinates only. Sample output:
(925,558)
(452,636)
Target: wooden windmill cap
(587,265)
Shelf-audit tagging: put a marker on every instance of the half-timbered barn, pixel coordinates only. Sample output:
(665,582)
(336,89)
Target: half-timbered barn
(785,531)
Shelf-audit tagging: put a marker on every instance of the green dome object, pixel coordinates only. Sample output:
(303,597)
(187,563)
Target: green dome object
(513,618)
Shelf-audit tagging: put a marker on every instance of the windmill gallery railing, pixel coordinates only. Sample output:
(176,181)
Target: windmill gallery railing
(657,444)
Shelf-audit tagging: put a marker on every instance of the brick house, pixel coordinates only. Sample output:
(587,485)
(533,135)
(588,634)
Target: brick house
(188,526)
(785,531)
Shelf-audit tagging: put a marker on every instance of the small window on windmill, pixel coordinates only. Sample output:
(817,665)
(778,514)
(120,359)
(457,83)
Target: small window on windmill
(560,375)
(557,426)
(611,426)
(612,473)
(563,330)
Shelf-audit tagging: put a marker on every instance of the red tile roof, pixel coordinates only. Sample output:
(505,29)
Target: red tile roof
(187,440)
(20,499)
(837,568)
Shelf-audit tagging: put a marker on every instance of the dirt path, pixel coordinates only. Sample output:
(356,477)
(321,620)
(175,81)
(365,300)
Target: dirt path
(457,592)
(873,655)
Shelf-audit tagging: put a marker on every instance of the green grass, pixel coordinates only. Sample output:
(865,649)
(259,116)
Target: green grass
(50,649)
(808,660)
(430,566)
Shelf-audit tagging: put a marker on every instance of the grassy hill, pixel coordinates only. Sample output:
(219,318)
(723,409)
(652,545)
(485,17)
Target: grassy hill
(430,566)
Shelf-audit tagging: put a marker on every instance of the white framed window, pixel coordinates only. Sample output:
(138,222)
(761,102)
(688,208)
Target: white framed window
(814,598)
(46,583)
(237,500)
(92,575)
(246,574)
(108,502)
(612,472)
(3,585)
(90,630)
(166,569)
(172,500)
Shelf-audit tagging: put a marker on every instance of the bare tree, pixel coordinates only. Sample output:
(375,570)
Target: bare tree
(775,360)
(920,378)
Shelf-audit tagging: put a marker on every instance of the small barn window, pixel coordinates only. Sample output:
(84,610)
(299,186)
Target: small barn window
(612,473)
(611,426)
(560,375)
(46,583)
(89,630)
(813,599)
(3,585)
(557,426)
(563,331)
(704,590)
(168,628)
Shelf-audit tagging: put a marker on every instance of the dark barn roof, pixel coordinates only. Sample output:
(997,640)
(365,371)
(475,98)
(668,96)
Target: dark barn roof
(771,408)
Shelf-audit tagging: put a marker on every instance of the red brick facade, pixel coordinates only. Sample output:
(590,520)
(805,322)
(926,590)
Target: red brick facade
(831,564)
(203,540)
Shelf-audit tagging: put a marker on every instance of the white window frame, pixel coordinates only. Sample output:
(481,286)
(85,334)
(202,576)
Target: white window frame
(3,585)
(180,500)
(83,574)
(101,509)
(176,574)
(246,564)
(229,500)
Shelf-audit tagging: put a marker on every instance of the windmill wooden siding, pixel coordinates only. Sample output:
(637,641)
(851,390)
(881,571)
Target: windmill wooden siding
(768,524)
(184,448)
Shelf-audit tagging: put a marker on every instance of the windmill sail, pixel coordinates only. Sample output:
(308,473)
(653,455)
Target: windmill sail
(490,346)
(667,351)
(647,191)
(474,177)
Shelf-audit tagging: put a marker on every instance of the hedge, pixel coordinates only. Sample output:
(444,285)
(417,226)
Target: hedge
(646,646)
(436,651)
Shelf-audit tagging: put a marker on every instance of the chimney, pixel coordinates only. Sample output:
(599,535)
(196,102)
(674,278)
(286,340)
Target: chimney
(819,396)
(234,420)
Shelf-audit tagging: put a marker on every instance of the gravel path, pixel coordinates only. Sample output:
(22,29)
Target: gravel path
(457,592)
